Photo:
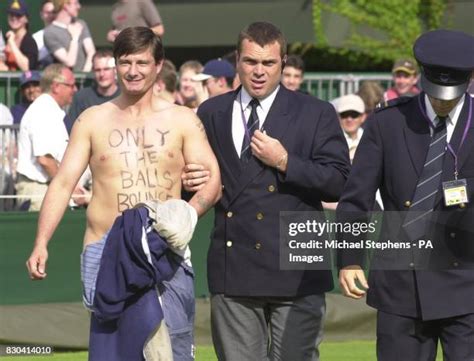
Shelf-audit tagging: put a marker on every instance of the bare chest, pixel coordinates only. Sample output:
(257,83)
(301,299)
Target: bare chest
(137,163)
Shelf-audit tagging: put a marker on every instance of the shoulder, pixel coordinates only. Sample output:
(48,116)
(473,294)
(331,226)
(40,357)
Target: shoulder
(394,103)
(180,115)
(217,103)
(300,97)
(93,115)
(38,34)
(52,29)
(392,114)
(28,39)
(85,92)
(146,4)
(83,23)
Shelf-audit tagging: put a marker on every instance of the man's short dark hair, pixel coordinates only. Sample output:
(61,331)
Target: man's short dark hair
(262,33)
(229,82)
(102,53)
(169,76)
(295,61)
(137,39)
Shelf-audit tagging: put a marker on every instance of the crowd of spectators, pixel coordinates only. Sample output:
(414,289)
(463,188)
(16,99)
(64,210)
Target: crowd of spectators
(66,39)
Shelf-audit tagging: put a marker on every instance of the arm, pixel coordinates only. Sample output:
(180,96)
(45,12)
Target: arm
(158,29)
(67,57)
(89,47)
(152,17)
(21,59)
(49,164)
(57,197)
(323,173)
(327,169)
(90,51)
(197,150)
(356,202)
(112,34)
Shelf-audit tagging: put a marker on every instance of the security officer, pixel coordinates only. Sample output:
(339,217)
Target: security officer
(278,150)
(413,149)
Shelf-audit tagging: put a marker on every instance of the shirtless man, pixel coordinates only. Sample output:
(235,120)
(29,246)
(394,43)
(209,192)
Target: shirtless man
(135,146)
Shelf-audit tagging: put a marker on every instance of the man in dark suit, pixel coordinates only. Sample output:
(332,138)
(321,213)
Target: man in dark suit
(278,150)
(412,149)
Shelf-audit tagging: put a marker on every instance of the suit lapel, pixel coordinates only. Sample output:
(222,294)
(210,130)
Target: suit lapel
(417,137)
(223,126)
(275,125)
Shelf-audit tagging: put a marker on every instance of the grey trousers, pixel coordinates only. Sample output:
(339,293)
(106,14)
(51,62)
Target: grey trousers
(267,328)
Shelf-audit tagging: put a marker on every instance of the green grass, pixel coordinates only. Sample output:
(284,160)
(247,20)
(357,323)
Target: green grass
(330,351)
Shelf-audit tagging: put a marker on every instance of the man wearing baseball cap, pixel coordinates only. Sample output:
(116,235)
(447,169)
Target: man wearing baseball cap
(217,77)
(30,90)
(405,77)
(420,152)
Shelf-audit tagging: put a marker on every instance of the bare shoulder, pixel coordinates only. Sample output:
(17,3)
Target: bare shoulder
(180,116)
(94,114)
(166,109)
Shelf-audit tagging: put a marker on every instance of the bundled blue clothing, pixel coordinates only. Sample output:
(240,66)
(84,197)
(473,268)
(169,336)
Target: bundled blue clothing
(120,275)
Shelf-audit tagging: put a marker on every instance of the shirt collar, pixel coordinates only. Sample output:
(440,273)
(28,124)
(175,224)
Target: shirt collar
(265,103)
(360,131)
(59,24)
(453,114)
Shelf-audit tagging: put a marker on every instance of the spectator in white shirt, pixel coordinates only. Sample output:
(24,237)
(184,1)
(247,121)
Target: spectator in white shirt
(43,137)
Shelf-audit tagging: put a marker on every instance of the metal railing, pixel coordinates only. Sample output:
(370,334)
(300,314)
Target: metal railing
(10,84)
(326,86)
(329,86)
(8,150)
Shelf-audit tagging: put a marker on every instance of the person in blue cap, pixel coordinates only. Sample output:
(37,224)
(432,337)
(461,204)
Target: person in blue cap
(30,90)
(216,78)
(419,152)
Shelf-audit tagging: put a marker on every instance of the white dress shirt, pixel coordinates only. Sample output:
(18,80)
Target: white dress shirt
(453,116)
(242,101)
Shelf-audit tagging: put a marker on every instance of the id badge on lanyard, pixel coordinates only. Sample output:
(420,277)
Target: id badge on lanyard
(455,192)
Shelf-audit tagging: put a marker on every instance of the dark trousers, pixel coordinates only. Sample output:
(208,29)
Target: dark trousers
(267,328)
(412,339)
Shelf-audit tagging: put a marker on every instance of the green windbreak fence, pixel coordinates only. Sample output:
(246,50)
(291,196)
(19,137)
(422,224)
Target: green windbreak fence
(50,312)
(63,283)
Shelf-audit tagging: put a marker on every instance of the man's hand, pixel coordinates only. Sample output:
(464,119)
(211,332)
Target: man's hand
(269,150)
(81,196)
(201,92)
(75,30)
(194,177)
(10,36)
(112,34)
(347,280)
(36,264)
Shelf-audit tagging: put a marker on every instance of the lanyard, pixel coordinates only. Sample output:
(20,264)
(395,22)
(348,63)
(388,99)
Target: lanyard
(464,135)
(244,121)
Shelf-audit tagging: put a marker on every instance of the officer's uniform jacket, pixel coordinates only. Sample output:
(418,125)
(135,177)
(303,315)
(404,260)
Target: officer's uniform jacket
(390,157)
